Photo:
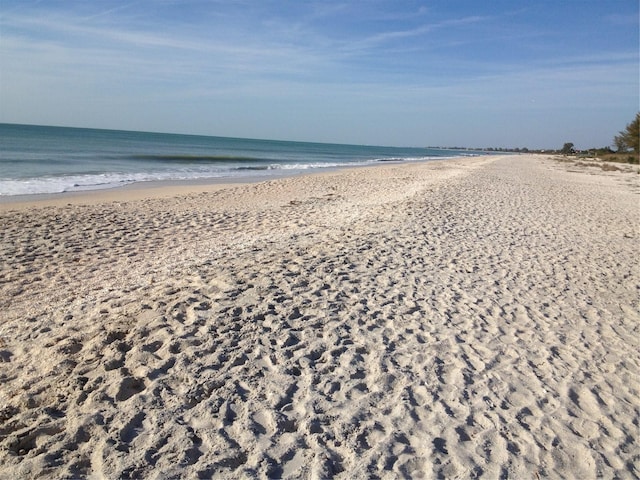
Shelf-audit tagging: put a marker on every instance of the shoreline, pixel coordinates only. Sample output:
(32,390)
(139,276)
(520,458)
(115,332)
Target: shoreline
(444,319)
(132,191)
(170,188)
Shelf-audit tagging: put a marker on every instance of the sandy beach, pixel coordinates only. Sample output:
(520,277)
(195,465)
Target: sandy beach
(465,318)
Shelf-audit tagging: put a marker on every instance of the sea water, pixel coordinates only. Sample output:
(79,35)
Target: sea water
(45,160)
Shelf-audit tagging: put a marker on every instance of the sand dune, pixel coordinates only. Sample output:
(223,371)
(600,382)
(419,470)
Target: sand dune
(455,319)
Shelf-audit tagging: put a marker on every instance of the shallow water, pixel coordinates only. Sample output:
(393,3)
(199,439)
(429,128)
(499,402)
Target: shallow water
(42,159)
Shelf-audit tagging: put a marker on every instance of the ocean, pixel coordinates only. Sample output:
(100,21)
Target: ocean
(46,160)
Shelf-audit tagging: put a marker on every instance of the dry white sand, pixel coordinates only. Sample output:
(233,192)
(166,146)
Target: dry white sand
(456,319)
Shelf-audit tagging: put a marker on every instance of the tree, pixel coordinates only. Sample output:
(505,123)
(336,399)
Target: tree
(629,138)
(567,148)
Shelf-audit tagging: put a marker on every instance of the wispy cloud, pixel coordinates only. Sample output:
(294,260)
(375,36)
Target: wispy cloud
(368,43)
(94,45)
(109,11)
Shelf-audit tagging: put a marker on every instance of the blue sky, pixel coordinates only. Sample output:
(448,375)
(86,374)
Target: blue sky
(509,73)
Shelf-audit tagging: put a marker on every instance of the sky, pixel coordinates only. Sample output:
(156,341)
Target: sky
(499,73)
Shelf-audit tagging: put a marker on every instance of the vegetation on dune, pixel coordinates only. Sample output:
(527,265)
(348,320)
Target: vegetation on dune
(627,144)
(629,138)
